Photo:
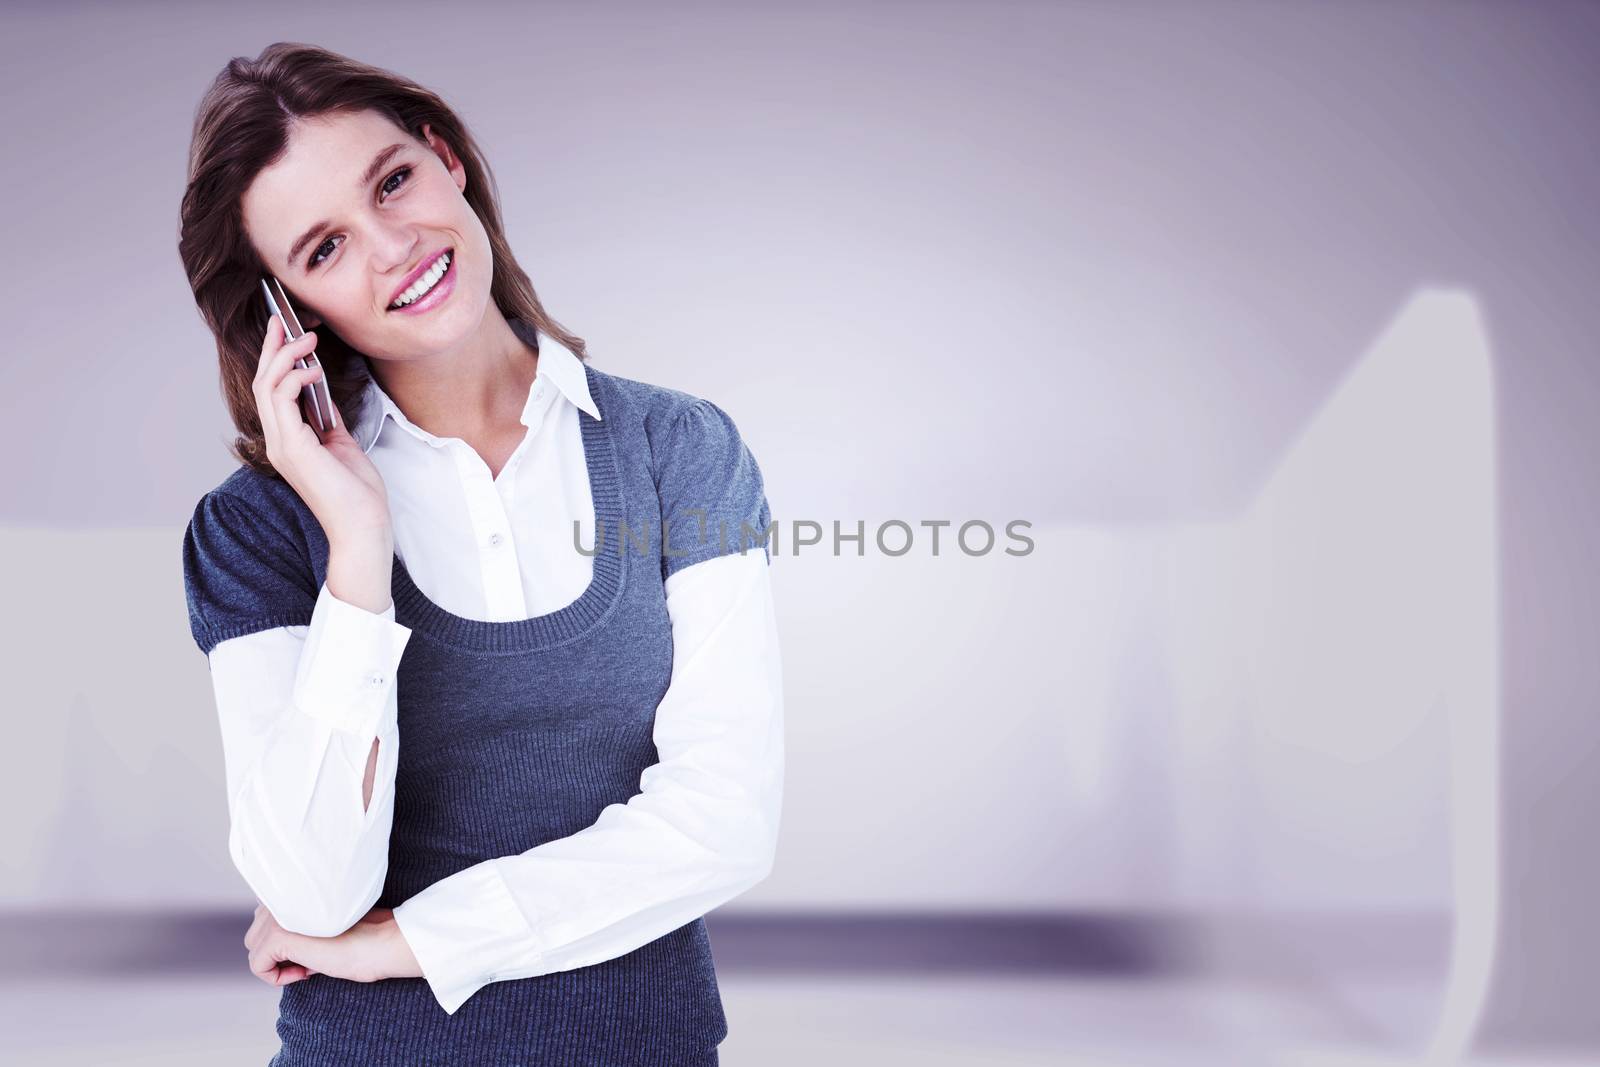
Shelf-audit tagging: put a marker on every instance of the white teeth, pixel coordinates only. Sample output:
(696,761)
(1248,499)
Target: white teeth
(421,286)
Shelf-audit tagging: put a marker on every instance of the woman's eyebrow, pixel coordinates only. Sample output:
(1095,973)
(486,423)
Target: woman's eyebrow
(366,178)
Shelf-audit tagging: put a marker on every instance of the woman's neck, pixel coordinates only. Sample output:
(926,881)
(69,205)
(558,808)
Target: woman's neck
(476,392)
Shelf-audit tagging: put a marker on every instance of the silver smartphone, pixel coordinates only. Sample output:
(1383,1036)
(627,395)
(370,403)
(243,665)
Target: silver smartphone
(314,396)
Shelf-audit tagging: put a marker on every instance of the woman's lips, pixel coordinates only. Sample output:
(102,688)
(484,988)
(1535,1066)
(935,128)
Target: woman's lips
(433,297)
(424,267)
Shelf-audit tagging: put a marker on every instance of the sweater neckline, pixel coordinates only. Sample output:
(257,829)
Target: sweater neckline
(563,625)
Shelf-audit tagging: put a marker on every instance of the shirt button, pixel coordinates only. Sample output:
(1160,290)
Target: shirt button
(376,679)
(495,539)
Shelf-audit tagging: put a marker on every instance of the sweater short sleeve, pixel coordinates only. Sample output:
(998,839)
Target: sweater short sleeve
(713,498)
(241,574)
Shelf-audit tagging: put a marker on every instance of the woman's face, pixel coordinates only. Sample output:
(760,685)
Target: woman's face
(345,218)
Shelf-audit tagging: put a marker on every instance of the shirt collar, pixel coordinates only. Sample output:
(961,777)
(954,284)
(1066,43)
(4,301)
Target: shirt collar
(557,367)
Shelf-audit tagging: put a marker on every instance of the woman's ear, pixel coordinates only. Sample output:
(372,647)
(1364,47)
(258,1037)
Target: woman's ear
(310,320)
(447,156)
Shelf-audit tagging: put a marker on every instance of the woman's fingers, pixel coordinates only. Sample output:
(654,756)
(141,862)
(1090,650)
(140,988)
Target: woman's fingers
(288,387)
(270,948)
(291,972)
(274,357)
(278,383)
(253,934)
(271,959)
(262,964)
(269,344)
(286,393)
(286,399)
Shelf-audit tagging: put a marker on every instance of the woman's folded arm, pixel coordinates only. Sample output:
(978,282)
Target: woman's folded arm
(702,831)
(304,712)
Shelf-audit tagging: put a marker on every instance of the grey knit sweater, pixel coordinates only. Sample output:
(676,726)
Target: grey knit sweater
(516,733)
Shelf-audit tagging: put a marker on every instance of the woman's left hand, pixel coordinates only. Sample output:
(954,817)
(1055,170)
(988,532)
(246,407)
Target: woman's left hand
(370,951)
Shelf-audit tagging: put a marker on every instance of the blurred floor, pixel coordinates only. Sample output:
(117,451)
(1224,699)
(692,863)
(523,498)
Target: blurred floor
(777,1021)
(93,987)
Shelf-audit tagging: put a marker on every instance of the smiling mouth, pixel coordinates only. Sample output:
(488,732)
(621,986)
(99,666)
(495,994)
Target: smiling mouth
(449,258)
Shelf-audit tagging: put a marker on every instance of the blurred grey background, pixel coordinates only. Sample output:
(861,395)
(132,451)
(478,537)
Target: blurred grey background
(1277,324)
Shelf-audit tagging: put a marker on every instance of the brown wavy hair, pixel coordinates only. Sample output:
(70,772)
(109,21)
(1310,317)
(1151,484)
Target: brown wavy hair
(241,127)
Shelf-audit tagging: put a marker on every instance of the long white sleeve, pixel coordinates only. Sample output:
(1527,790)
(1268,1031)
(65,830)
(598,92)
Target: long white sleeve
(299,707)
(703,829)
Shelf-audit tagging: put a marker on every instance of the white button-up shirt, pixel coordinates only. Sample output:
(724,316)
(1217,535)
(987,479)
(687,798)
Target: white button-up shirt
(300,706)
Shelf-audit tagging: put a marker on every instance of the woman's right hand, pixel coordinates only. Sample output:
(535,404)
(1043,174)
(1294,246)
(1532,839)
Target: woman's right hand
(330,471)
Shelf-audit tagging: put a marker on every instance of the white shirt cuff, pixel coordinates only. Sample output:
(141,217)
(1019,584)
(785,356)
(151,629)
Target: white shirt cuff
(466,931)
(347,668)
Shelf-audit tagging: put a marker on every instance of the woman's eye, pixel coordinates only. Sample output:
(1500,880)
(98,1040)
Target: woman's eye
(317,255)
(403,170)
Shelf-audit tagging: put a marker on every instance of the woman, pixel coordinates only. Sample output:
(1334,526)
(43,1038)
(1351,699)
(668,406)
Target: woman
(496,667)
